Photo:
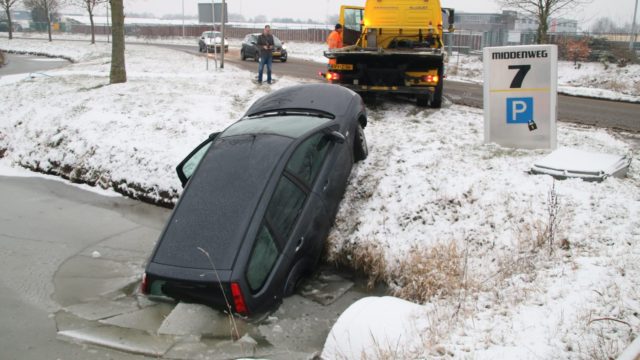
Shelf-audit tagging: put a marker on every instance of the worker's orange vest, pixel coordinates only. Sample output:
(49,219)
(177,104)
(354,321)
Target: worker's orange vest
(334,41)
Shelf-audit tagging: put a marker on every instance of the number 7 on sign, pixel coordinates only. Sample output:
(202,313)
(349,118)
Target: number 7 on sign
(519,78)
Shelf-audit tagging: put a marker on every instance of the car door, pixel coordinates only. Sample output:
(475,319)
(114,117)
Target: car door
(189,164)
(334,174)
(254,45)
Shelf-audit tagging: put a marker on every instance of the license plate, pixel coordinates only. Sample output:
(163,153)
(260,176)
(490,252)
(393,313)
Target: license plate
(342,66)
(276,54)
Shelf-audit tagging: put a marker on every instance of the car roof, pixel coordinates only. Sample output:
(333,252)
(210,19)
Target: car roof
(332,99)
(218,204)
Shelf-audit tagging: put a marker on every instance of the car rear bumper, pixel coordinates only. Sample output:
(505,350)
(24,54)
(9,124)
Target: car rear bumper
(190,285)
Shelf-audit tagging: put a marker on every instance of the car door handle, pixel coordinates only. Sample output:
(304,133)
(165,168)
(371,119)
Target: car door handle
(300,242)
(325,186)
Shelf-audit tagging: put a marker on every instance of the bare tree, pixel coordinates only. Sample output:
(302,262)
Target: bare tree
(48,7)
(118,71)
(7,5)
(89,6)
(542,10)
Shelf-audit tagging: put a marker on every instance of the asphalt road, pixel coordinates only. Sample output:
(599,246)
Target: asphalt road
(587,111)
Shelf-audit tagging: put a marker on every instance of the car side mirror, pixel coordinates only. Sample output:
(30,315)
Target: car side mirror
(337,137)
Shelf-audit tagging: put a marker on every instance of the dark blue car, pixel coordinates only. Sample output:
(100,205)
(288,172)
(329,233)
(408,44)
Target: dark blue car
(260,198)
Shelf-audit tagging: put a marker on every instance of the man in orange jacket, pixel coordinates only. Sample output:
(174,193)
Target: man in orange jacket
(335,41)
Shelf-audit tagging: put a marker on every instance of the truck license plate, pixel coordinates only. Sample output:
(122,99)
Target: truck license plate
(342,67)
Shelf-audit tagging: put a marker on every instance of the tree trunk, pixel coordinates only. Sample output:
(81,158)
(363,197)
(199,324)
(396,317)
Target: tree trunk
(46,10)
(8,10)
(93,28)
(118,70)
(543,26)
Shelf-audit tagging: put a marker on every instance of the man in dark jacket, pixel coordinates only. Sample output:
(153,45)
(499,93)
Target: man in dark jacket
(265,44)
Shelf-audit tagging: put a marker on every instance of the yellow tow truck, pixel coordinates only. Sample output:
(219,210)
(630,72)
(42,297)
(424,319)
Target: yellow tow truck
(393,46)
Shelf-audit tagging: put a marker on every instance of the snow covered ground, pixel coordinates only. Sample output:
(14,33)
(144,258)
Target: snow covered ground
(446,221)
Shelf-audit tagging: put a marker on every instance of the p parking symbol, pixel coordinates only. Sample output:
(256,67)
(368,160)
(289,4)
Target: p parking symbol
(519,110)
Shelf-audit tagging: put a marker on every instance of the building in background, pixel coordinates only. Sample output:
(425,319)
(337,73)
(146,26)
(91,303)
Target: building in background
(510,27)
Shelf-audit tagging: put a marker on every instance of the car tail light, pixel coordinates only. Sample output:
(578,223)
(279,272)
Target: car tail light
(144,286)
(431,78)
(331,76)
(238,299)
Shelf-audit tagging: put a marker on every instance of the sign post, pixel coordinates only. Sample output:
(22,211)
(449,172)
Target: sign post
(521,96)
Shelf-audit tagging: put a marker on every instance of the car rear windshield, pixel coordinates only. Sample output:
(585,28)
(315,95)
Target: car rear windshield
(291,126)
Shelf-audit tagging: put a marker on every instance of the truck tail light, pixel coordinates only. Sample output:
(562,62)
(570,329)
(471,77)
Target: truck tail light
(431,78)
(238,299)
(331,76)
(144,286)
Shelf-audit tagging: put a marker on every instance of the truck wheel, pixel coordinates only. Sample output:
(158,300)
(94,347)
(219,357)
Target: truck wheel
(423,100)
(436,100)
(360,149)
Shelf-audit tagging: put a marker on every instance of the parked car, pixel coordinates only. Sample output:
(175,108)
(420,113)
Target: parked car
(250,48)
(259,198)
(210,40)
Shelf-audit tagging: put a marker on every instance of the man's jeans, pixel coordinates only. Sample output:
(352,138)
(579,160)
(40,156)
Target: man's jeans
(266,59)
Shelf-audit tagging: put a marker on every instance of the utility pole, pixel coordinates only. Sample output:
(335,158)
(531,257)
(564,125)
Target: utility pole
(223,19)
(213,29)
(108,30)
(182,18)
(632,40)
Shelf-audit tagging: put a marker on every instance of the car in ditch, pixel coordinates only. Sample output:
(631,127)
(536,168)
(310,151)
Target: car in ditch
(259,200)
(250,48)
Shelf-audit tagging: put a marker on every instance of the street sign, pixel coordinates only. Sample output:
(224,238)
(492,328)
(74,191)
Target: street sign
(521,96)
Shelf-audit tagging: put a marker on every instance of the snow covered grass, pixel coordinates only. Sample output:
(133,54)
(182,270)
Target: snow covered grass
(586,79)
(447,221)
(460,227)
(128,137)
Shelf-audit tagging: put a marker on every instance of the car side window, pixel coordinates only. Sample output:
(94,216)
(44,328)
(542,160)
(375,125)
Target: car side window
(284,207)
(307,159)
(263,257)
(189,164)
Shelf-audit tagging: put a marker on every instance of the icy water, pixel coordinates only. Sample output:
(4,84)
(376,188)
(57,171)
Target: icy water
(96,291)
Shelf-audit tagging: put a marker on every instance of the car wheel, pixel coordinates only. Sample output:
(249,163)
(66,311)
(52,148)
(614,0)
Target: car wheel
(242,56)
(283,59)
(256,58)
(436,100)
(360,151)
(294,279)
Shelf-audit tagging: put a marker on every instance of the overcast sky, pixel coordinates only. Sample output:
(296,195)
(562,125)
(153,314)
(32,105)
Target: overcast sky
(622,10)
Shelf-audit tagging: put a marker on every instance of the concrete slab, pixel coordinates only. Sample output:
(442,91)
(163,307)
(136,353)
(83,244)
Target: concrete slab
(148,319)
(103,309)
(133,341)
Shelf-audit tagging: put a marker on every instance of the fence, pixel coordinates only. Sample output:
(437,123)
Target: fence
(299,34)
(465,41)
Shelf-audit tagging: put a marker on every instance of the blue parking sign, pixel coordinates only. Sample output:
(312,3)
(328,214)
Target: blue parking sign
(519,110)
